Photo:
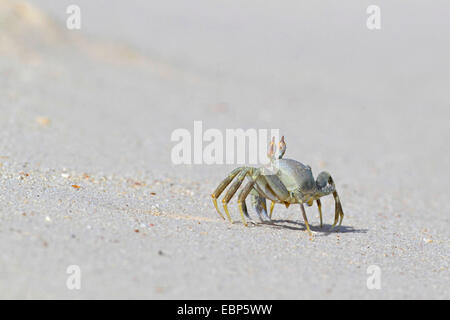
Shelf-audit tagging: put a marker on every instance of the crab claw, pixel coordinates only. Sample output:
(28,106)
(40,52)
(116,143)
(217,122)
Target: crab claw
(259,203)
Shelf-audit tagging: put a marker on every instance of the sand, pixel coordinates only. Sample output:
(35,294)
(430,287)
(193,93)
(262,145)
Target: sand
(86,176)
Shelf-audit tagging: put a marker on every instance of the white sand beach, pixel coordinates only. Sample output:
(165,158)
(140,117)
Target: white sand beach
(86,176)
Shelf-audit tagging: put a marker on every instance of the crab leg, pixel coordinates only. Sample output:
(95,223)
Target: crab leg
(271,209)
(305,218)
(222,186)
(243,210)
(241,201)
(319,206)
(232,190)
(338,212)
(341,212)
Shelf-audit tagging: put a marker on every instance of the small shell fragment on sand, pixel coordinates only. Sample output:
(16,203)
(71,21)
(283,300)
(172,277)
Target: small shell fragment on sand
(43,121)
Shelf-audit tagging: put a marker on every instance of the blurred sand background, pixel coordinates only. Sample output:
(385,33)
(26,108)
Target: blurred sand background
(86,118)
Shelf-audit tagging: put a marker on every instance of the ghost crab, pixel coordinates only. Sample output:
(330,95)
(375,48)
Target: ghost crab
(284,181)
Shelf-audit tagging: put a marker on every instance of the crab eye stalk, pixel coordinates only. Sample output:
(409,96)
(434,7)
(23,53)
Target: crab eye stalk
(271,149)
(281,148)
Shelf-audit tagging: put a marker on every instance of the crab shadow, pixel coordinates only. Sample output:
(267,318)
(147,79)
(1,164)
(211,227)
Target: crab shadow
(299,226)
